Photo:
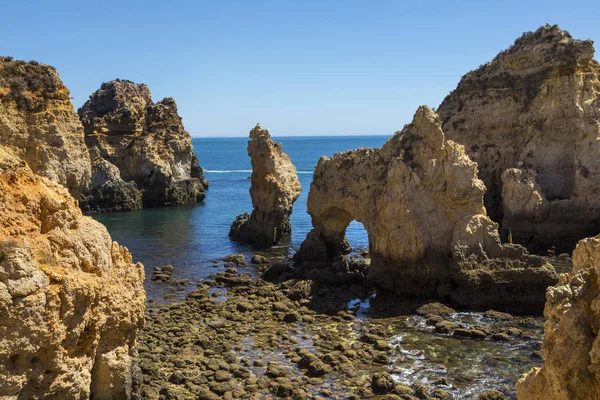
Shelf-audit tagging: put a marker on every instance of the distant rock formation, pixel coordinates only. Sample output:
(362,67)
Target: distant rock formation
(571,369)
(536,108)
(275,188)
(147,144)
(421,203)
(38,123)
(71,300)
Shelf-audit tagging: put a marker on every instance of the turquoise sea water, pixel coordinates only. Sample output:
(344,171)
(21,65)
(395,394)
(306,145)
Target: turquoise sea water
(188,237)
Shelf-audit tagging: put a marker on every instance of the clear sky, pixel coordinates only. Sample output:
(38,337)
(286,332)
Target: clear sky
(298,67)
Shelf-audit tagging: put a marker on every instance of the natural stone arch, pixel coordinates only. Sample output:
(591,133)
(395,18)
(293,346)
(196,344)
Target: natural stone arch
(421,203)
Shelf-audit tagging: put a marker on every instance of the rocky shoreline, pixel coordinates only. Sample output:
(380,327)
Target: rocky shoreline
(282,335)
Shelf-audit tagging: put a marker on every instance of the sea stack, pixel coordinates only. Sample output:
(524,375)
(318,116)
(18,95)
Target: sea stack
(421,202)
(530,118)
(274,189)
(141,154)
(71,300)
(38,123)
(571,346)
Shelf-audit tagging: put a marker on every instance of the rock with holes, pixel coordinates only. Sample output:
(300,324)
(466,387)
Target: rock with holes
(571,346)
(148,145)
(275,187)
(421,202)
(38,123)
(530,118)
(71,300)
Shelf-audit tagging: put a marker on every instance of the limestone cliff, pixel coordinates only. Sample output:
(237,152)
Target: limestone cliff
(421,202)
(71,300)
(274,189)
(146,142)
(571,369)
(37,121)
(535,107)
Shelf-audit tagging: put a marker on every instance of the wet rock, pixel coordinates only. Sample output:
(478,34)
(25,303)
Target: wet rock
(278,272)
(274,370)
(441,394)
(491,395)
(317,368)
(199,293)
(478,334)
(501,316)
(435,309)
(244,306)
(461,332)
(291,317)
(220,388)
(205,394)
(382,383)
(162,274)
(500,337)
(236,259)
(445,327)
(258,259)
(222,376)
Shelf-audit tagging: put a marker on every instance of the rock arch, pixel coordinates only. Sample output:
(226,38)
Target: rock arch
(421,203)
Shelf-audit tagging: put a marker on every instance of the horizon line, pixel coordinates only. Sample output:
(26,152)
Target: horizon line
(229,136)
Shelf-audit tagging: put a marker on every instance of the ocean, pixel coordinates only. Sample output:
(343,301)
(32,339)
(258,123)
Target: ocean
(189,237)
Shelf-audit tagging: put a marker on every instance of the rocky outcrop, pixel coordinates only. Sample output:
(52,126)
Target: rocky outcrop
(571,347)
(108,192)
(275,187)
(146,142)
(38,123)
(536,108)
(421,202)
(71,299)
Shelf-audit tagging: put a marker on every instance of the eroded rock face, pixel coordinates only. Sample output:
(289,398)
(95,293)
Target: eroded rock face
(71,299)
(146,142)
(571,346)
(275,188)
(38,123)
(421,202)
(535,107)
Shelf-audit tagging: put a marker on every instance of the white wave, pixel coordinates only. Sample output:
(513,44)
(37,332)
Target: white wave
(246,171)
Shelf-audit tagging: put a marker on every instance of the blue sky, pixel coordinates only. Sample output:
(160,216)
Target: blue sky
(297,67)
